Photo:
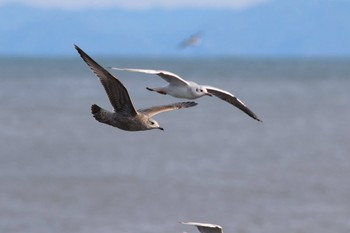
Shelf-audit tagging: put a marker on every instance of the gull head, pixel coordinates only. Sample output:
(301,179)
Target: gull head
(198,90)
(152,124)
(201,91)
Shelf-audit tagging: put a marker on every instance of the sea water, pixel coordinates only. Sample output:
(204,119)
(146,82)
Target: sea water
(62,171)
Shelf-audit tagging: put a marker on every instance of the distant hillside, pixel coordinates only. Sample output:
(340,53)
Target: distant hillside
(280,28)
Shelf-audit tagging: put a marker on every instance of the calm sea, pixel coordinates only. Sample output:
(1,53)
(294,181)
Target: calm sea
(61,171)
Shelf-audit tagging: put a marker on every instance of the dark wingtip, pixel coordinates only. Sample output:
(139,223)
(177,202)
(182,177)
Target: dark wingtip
(256,118)
(80,51)
(191,104)
(77,47)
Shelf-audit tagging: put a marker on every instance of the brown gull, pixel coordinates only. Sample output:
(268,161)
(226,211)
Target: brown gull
(180,88)
(125,116)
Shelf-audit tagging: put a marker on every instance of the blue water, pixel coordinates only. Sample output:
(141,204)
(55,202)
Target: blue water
(62,171)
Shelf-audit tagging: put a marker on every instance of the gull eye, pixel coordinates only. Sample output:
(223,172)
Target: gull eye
(152,123)
(201,90)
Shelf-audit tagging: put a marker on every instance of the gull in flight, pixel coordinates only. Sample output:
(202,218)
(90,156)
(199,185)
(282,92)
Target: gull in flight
(205,227)
(124,116)
(193,40)
(180,88)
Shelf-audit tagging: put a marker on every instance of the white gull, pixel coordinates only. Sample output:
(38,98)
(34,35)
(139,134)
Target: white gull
(205,227)
(180,88)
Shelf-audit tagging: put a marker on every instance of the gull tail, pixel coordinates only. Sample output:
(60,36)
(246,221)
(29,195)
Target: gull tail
(101,115)
(157,89)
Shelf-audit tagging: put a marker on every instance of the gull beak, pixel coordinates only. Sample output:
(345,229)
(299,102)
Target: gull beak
(208,94)
(160,128)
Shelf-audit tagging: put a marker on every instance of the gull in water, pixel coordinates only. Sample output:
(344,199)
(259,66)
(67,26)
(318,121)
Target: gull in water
(205,227)
(125,116)
(180,88)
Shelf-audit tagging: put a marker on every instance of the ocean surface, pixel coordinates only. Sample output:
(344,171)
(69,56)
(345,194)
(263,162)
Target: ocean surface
(61,171)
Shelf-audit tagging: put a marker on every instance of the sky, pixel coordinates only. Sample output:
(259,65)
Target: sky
(244,28)
(137,4)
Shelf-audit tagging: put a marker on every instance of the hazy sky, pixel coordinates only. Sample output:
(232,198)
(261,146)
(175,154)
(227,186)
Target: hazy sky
(230,27)
(137,4)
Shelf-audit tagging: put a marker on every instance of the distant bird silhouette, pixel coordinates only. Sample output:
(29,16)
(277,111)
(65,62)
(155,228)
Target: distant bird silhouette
(205,227)
(181,88)
(192,40)
(125,116)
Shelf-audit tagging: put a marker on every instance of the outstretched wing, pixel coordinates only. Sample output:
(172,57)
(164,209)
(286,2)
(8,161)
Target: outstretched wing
(164,108)
(205,227)
(230,98)
(117,93)
(166,75)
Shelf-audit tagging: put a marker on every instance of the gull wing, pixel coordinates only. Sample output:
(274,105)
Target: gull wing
(164,108)
(205,227)
(169,77)
(116,91)
(230,98)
